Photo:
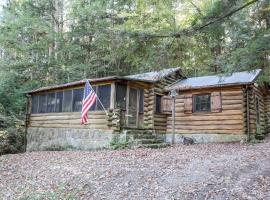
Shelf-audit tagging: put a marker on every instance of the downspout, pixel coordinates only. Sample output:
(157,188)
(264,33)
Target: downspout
(248,115)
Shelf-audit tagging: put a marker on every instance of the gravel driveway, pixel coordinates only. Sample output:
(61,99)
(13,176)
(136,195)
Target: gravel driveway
(205,171)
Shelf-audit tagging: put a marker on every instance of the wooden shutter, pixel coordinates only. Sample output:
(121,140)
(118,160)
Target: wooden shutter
(216,102)
(166,104)
(188,103)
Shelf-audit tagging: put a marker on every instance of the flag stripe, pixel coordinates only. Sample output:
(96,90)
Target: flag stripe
(89,99)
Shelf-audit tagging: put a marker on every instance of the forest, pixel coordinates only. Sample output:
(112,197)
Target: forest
(47,42)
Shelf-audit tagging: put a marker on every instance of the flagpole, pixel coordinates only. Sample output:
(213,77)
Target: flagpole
(98,98)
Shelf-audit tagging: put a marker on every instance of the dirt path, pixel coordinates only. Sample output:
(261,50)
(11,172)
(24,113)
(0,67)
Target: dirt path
(211,171)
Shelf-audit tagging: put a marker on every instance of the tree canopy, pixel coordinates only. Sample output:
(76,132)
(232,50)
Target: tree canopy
(44,42)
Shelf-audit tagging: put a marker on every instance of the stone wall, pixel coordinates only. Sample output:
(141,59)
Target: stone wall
(39,139)
(206,138)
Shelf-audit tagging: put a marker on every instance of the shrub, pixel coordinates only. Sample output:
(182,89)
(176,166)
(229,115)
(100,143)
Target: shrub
(12,135)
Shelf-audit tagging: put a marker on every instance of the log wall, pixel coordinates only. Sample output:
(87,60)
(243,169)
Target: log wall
(97,120)
(254,93)
(267,107)
(160,120)
(149,101)
(229,121)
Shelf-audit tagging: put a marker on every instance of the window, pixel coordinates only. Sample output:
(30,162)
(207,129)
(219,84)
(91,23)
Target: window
(51,102)
(67,101)
(104,94)
(158,103)
(94,106)
(42,108)
(59,101)
(202,103)
(34,108)
(77,100)
(121,93)
(141,100)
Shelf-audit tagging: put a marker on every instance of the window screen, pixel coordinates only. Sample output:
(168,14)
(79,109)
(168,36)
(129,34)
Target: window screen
(104,94)
(121,93)
(51,102)
(94,106)
(67,101)
(202,103)
(77,99)
(59,101)
(158,104)
(42,108)
(34,108)
(141,101)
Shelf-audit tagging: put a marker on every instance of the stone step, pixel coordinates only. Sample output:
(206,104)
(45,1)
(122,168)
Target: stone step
(155,145)
(149,141)
(144,136)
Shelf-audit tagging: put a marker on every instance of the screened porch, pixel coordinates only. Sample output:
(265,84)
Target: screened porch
(114,95)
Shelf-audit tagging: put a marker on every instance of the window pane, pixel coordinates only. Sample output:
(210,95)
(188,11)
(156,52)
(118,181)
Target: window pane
(77,99)
(59,101)
(42,104)
(104,94)
(67,101)
(158,103)
(141,101)
(94,106)
(34,101)
(121,93)
(51,102)
(202,103)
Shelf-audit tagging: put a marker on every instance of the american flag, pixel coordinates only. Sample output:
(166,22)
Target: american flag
(89,98)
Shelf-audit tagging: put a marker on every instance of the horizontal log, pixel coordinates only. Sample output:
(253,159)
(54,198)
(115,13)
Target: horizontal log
(207,118)
(102,127)
(218,131)
(66,117)
(209,122)
(67,113)
(208,127)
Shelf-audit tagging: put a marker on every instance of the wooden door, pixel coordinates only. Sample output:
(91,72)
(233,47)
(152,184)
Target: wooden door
(132,116)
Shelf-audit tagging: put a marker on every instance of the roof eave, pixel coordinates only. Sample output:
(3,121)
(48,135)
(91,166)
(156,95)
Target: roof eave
(208,86)
(81,82)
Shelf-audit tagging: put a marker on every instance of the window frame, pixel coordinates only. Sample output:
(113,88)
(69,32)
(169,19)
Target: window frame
(160,104)
(194,103)
(63,98)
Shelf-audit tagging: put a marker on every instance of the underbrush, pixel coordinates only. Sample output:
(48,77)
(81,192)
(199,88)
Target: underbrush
(12,135)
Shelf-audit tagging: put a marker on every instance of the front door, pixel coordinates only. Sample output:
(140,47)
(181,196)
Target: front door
(132,114)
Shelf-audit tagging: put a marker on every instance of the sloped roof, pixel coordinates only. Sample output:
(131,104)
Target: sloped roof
(237,78)
(149,77)
(153,76)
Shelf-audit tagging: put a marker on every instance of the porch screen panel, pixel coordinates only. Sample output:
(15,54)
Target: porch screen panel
(42,108)
(104,94)
(132,112)
(94,107)
(121,93)
(34,104)
(67,101)
(51,102)
(77,99)
(59,101)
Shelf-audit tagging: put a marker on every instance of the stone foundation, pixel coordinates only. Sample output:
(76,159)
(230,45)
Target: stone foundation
(41,139)
(206,138)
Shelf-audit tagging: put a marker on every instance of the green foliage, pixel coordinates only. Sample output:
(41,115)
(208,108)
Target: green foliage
(117,144)
(45,42)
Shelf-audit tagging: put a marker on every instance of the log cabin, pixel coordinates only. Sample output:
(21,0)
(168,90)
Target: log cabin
(220,108)
(131,102)
(138,111)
